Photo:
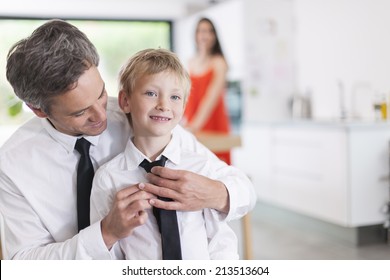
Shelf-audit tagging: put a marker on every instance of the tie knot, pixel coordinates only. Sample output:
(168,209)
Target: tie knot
(82,146)
(145,164)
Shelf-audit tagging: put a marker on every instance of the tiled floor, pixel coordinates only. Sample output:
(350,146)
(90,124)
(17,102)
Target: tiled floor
(279,236)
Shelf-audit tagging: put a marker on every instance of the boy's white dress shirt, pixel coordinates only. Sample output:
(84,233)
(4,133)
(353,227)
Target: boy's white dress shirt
(204,234)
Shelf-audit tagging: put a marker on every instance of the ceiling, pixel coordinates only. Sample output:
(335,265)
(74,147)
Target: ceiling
(167,9)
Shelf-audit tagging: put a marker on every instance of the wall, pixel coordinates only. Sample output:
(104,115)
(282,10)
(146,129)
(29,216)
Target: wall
(342,43)
(95,8)
(228,20)
(269,63)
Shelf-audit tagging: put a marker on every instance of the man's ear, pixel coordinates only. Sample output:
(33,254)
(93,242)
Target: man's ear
(123,101)
(37,111)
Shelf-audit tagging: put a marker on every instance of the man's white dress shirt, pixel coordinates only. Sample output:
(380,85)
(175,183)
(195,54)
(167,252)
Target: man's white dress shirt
(38,168)
(203,234)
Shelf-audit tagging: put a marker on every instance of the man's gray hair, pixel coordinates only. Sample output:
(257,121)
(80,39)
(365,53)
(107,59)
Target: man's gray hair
(49,63)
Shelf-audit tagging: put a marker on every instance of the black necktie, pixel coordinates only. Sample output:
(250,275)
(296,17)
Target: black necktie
(85,174)
(166,220)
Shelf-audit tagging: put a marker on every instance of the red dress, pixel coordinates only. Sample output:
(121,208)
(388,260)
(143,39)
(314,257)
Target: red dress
(219,118)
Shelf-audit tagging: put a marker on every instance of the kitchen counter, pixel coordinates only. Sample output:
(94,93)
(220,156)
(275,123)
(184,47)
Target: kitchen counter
(219,142)
(325,123)
(336,171)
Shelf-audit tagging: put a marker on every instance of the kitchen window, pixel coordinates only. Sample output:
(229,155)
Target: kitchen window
(115,40)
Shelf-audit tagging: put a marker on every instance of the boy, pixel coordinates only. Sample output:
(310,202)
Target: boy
(154,87)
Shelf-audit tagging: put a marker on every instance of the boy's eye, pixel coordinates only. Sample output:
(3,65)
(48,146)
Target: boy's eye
(150,93)
(175,97)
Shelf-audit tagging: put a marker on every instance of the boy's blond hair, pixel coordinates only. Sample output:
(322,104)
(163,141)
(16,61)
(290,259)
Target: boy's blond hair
(150,62)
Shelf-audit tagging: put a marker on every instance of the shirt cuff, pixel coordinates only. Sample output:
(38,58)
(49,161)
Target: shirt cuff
(232,196)
(93,243)
(242,197)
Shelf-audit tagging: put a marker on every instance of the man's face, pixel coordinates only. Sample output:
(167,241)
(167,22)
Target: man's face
(81,110)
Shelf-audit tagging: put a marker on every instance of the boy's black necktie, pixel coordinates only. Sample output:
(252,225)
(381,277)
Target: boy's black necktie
(85,174)
(166,220)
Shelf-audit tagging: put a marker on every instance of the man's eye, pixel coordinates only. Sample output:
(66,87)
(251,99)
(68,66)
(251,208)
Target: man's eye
(79,114)
(104,93)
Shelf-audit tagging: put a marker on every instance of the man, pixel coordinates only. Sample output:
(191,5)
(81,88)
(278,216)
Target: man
(54,71)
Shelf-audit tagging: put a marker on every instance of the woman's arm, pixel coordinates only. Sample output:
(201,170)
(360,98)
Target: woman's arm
(214,91)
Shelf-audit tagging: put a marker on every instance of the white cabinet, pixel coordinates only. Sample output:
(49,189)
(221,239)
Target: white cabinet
(335,172)
(308,171)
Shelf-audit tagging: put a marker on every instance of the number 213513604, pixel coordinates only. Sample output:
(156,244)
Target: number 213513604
(236,270)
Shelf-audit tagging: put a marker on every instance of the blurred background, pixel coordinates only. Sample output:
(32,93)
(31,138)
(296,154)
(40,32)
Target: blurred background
(308,92)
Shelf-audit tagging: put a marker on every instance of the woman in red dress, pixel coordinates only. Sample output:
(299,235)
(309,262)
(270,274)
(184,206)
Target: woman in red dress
(205,109)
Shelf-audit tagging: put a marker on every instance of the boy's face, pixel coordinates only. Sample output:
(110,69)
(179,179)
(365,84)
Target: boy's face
(156,105)
(81,110)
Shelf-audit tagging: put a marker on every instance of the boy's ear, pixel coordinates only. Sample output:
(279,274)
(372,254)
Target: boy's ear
(37,111)
(123,101)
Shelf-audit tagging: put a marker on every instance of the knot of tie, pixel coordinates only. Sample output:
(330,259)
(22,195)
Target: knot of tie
(82,146)
(145,164)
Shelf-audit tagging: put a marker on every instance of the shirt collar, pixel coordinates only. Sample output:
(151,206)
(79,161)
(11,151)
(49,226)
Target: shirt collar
(65,140)
(134,157)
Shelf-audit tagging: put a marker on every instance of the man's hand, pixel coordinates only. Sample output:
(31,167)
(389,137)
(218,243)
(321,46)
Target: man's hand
(127,213)
(188,190)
